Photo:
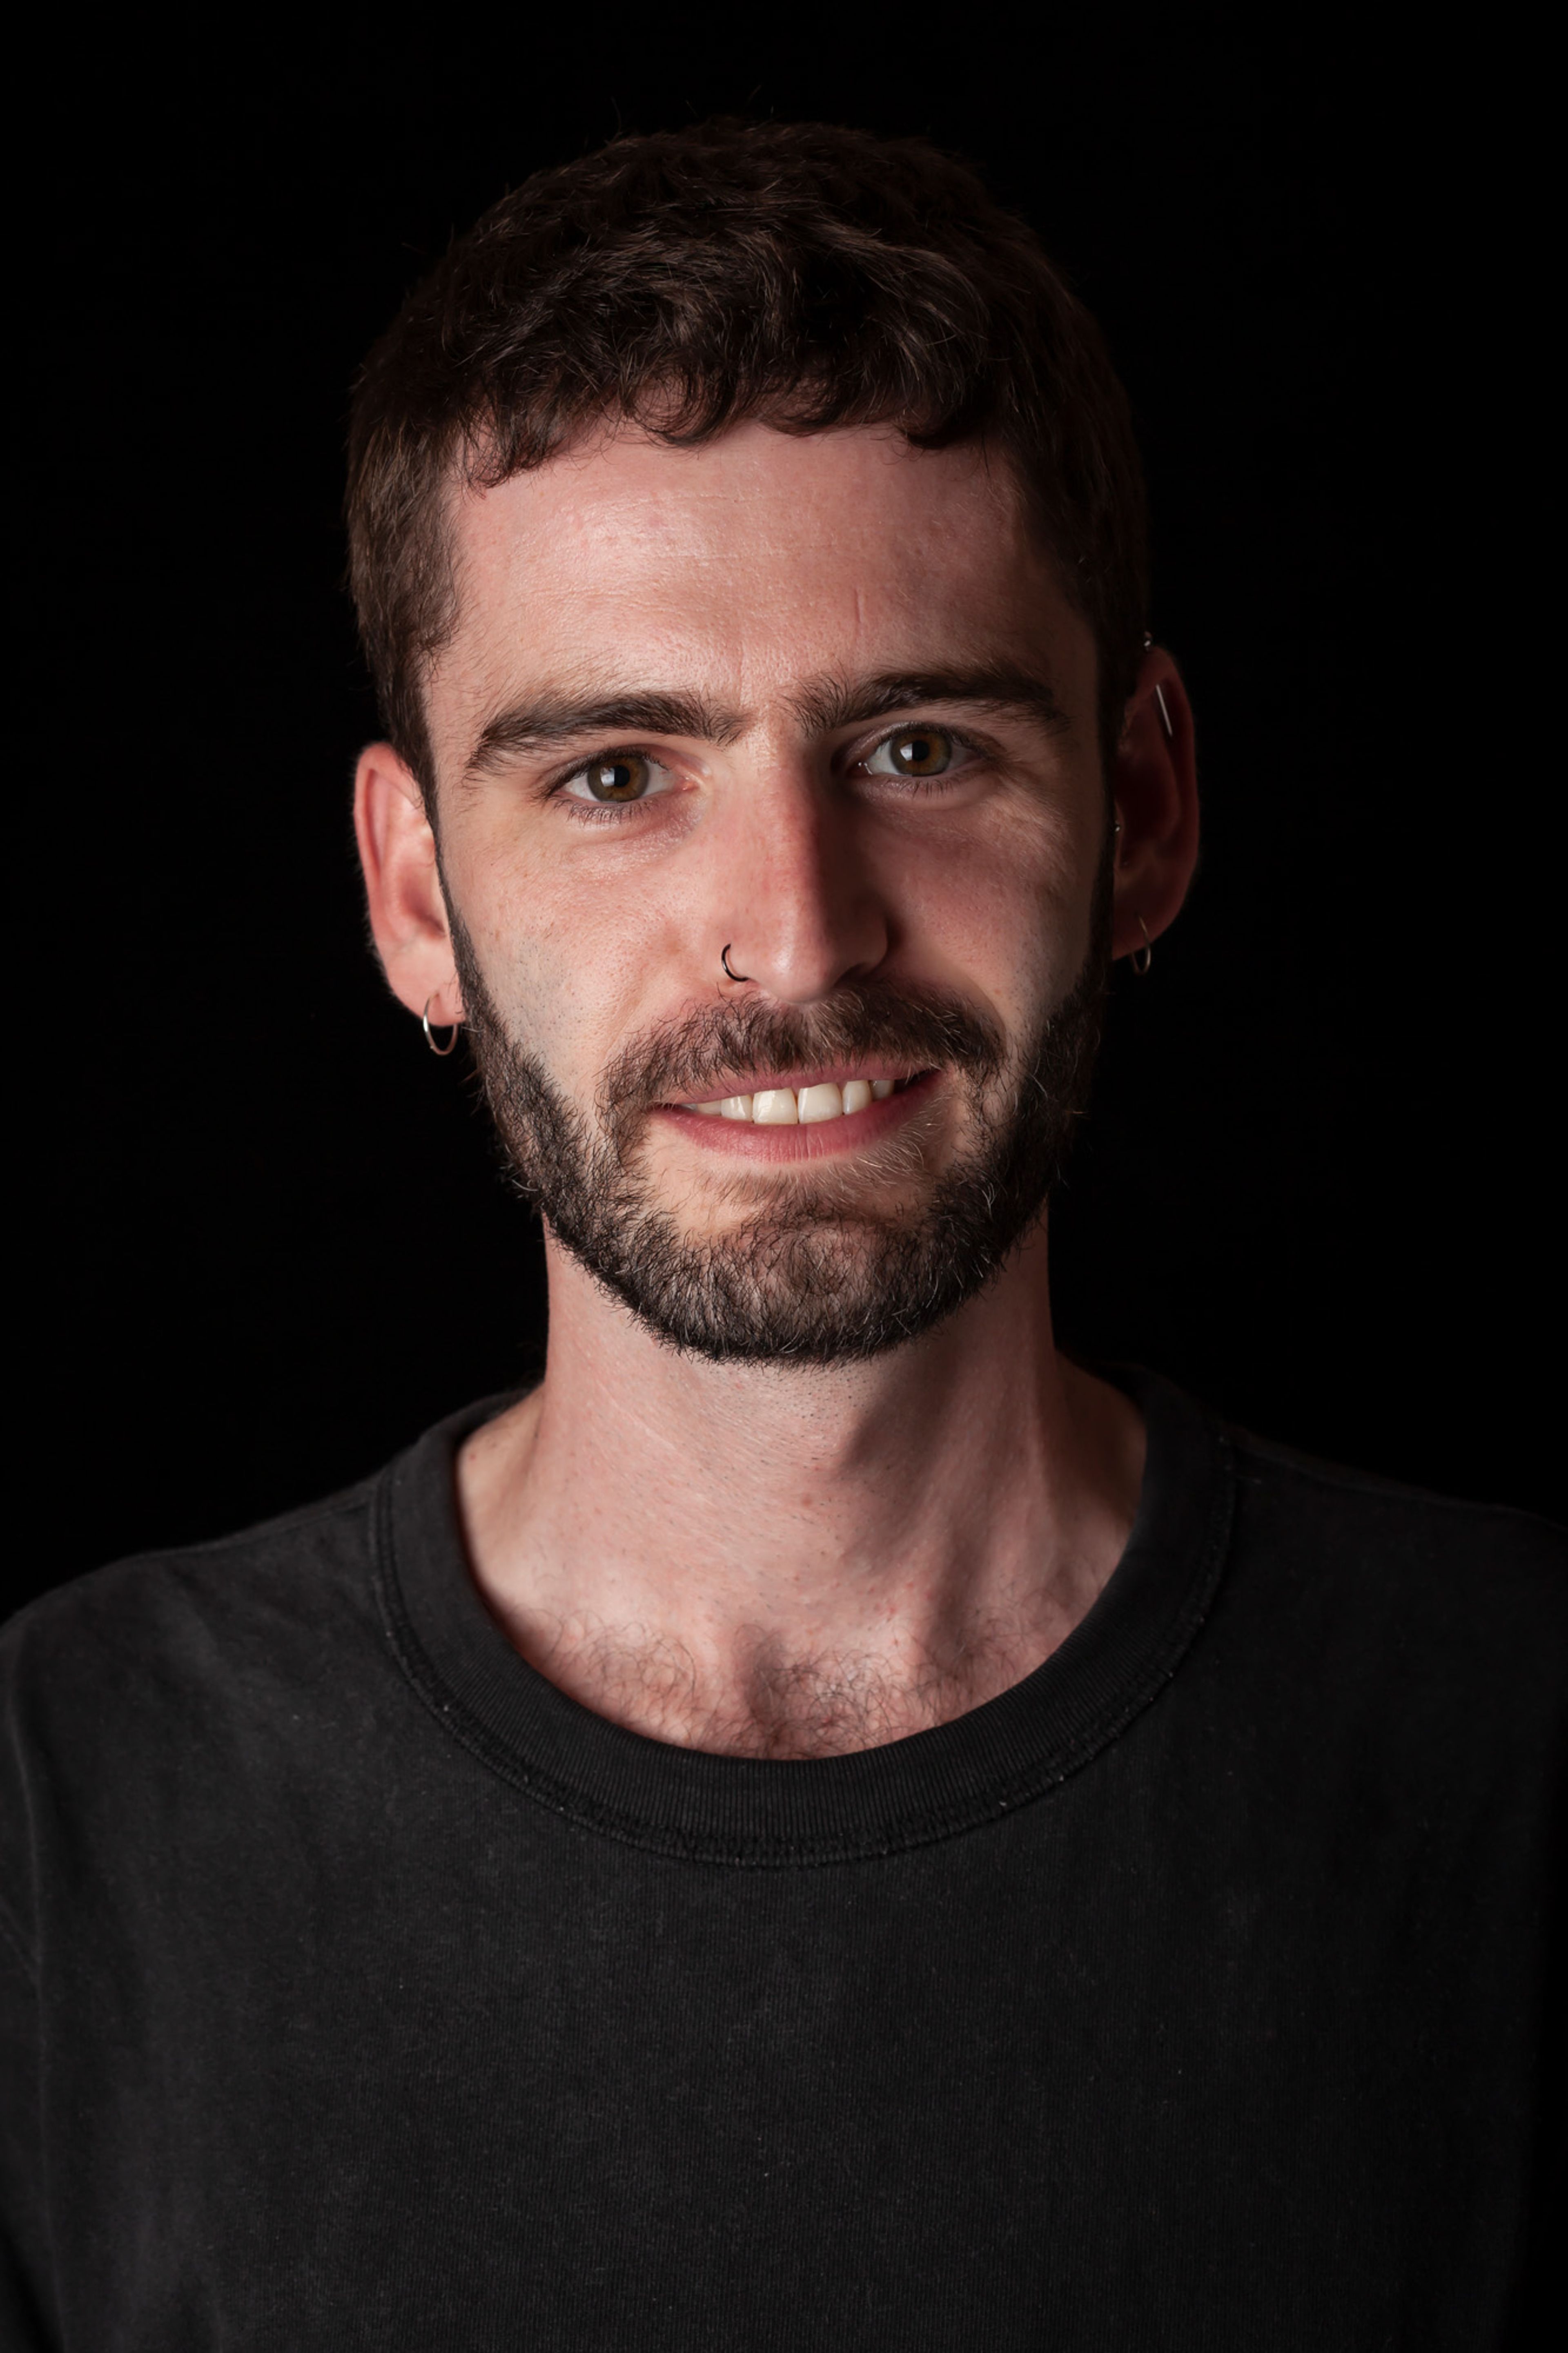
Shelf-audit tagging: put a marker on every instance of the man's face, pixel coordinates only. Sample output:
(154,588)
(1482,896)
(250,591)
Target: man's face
(819,702)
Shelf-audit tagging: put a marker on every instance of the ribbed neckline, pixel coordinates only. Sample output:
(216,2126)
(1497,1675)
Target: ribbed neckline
(879,1801)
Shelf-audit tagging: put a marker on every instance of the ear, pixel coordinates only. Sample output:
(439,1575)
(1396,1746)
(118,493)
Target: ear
(1156,792)
(403,885)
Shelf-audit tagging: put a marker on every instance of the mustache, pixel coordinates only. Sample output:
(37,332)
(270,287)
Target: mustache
(926,1027)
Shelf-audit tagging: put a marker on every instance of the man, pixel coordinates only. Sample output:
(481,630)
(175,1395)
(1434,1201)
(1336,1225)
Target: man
(825,1823)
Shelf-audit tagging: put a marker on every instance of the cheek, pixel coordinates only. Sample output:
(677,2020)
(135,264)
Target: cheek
(568,951)
(1006,916)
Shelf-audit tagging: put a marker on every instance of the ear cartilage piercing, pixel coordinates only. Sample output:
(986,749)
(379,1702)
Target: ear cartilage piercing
(1160,693)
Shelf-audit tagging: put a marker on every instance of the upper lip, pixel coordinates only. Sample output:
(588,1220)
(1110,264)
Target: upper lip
(821,1074)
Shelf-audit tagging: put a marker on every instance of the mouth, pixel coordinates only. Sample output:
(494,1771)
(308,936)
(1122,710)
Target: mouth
(807,1101)
(800,1118)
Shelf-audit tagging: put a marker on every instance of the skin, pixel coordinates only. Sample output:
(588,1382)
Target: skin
(754,1558)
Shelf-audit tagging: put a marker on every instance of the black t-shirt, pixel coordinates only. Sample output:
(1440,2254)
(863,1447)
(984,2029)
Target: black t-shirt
(361,1989)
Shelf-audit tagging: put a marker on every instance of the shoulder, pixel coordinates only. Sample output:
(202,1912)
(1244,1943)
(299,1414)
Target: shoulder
(169,1705)
(1457,1604)
(170,1718)
(178,1635)
(1366,1518)
(299,1547)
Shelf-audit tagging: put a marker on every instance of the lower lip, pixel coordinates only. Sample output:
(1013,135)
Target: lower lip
(820,1139)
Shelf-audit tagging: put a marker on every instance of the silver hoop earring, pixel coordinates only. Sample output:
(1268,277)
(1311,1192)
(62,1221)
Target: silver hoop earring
(440,1052)
(730,973)
(1142,958)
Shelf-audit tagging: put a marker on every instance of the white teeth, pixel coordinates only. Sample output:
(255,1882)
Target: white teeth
(823,1101)
(803,1106)
(774,1107)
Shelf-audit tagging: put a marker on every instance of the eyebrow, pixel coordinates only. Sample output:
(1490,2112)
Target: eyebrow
(546,721)
(1003,687)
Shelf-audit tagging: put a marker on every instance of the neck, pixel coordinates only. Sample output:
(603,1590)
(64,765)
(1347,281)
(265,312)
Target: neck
(799,1561)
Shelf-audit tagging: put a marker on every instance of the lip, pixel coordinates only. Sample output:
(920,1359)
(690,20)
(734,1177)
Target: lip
(821,1139)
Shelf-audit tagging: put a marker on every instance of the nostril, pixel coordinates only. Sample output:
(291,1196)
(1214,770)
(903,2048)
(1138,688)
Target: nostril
(799,946)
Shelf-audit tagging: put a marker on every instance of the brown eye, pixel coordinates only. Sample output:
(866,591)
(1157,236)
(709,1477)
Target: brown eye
(625,778)
(924,751)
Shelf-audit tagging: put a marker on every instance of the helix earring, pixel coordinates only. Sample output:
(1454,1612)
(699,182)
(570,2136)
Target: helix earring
(1142,958)
(1161,704)
(730,973)
(440,1052)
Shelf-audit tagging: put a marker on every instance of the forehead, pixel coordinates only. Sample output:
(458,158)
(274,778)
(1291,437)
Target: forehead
(755,559)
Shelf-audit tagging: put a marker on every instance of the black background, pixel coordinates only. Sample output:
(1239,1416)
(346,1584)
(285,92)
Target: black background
(265,1231)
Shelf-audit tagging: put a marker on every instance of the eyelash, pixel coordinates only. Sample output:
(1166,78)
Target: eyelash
(960,742)
(912,787)
(584,812)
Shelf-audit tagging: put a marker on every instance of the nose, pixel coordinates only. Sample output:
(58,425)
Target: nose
(802,912)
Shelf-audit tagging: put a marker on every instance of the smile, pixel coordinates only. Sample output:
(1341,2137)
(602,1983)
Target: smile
(817,1117)
(806,1107)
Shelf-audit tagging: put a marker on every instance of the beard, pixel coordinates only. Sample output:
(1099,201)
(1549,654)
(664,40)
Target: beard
(812,1270)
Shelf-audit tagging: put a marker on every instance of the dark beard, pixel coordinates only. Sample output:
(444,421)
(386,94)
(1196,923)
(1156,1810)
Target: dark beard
(816,1276)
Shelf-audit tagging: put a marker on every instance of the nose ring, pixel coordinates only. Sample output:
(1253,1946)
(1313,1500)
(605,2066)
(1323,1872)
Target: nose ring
(730,973)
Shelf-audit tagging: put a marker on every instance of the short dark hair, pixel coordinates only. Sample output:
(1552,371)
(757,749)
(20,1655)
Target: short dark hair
(797,273)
